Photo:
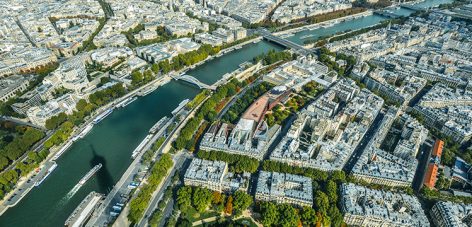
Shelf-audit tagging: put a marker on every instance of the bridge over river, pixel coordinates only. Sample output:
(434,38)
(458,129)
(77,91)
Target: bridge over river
(195,81)
(284,42)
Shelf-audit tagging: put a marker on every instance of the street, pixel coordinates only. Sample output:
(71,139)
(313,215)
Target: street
(179,160)
(121,187)
(356,154)
(423,158)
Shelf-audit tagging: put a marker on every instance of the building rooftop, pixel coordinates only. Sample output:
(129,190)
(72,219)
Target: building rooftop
(205,170)
(395,208)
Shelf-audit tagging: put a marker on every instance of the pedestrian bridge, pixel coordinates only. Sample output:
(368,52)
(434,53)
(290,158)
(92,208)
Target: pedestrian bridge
(195,81)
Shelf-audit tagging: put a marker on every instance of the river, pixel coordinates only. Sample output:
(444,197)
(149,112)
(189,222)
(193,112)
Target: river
(112,141)
(355,24)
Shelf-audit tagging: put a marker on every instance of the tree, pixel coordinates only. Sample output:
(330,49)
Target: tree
(217,198)
(155,68)
(184,197)
(165,66)
(229,205)
(269,214)
(136,77)
(331,191)
(321,202)
(55,121)
(335,215)
(201,199)
(308,216)
(241,200)
(289,216)
(338,176)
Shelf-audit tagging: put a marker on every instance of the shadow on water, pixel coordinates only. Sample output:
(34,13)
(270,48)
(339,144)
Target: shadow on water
(104,178)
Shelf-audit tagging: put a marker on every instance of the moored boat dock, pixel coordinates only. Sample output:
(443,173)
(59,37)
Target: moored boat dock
(86,208)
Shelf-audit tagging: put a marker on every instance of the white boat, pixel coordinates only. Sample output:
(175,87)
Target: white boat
(86,130)
(62,150)
(158,125)
(90,174)
(52,168)
(128,101)
(306,36)
(180,106)
(102,116)
(140,146)
(148,91)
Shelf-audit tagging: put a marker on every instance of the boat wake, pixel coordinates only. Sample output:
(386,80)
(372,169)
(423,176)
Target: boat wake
(73,191)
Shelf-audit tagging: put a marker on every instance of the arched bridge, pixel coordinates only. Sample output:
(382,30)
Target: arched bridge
(195,81)
(284,42)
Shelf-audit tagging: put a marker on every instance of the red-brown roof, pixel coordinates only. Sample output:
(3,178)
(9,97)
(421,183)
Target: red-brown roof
(431,175)
(438,148)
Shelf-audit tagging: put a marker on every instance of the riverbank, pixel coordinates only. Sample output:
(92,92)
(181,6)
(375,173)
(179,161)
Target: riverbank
(324,23)
(26,183)
(24,187)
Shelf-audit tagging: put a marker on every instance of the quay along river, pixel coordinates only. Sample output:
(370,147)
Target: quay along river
(112,141)
(357,23)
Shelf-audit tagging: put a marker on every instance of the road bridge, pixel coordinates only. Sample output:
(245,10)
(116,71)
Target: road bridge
(283,42)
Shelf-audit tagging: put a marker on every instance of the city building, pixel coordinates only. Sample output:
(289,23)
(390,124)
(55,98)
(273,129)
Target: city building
(326,132)
(27,60)
(249,11)
(431,175)
(204,173)
(448,214)
(72,75)
(166,51)
(251,136)
(462,174)
(448,110)
(397,166)
(298,9)
(214,175)
(367,207)
(284,188)
(38,115)
(11,86)
(295,74)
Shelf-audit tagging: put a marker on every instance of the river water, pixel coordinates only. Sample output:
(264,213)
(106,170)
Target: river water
(112,141)
(355,24)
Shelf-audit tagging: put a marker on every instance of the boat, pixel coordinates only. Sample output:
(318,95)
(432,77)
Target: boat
(86,130)
(148,91)
(62,150)
(140,146)
(126,102)
(129,100)
(52,168)
(306,36)
(85,209)
(75,138)
(90,174)
(102,116)
(180,106)
(286,35)
(158,125)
